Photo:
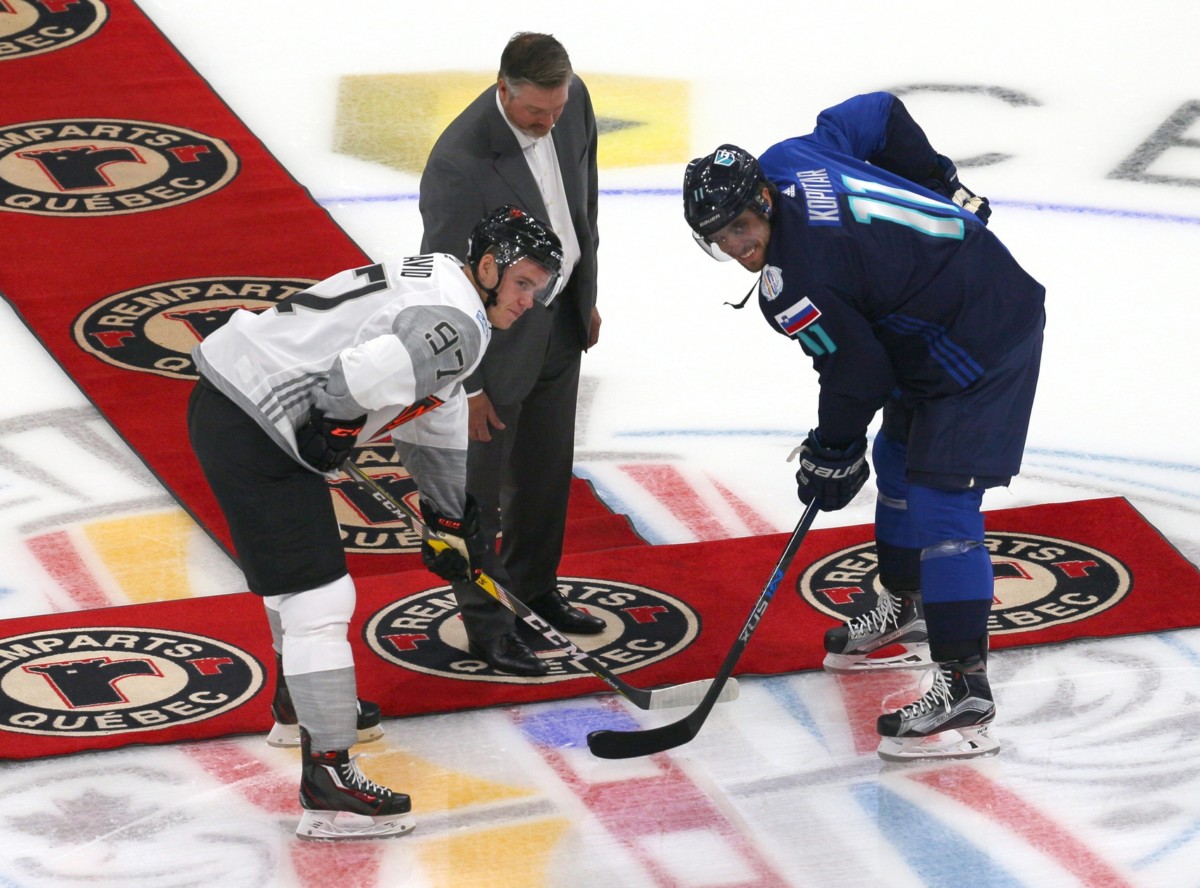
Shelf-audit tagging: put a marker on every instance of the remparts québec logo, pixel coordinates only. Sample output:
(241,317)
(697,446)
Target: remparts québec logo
(367,526)
(101,167)
(117,679)
(29,29)
(153,329)
(1040,582)
(424,633)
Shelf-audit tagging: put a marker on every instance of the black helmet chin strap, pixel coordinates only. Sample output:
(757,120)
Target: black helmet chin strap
(493,293)
(746,298)
(764,208)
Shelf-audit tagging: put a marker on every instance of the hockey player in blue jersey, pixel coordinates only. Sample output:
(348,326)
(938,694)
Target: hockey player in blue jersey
(877,261)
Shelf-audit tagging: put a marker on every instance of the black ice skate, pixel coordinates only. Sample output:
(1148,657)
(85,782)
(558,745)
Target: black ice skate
(286,730)
(340,803)
(863,644)
(950,721)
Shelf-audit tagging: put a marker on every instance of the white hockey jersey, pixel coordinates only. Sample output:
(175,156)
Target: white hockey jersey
(393,341)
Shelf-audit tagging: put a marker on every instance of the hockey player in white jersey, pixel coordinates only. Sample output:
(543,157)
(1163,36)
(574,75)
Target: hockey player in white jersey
(283,396)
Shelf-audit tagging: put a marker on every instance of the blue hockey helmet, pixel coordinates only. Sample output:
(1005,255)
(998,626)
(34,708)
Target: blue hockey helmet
(717,189)
(510,235)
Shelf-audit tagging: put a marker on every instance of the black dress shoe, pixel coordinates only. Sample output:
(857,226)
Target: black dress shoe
(507,653)
(555,610)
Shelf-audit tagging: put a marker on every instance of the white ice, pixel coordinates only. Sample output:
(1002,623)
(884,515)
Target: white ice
(1098,783)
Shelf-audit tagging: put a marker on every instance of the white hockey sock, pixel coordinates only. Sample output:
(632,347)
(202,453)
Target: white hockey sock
(319,662)
(271,605)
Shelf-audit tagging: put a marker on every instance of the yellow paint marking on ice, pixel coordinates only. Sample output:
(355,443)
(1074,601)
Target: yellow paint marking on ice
(642,120)
(432,787)
(511,856)
(394,119)
(146,554)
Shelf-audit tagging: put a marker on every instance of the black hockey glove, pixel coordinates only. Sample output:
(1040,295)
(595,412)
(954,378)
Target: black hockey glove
(832,476)
(324,443)
(972,202)
(463,560)
(946,183)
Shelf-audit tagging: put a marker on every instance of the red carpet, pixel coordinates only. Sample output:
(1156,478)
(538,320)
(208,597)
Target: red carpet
(144,212)
(193,669)
(147,213)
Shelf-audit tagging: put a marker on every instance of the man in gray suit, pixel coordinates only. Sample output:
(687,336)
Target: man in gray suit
(529,141)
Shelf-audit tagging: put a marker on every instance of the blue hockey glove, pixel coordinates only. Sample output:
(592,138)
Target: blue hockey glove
(463,560)
(832,476)
(324,443)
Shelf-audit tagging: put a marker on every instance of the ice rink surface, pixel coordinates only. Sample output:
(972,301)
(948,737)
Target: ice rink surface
(1079,121)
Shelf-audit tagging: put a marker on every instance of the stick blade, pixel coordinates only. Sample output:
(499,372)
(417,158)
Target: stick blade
(607,744)
(691,694)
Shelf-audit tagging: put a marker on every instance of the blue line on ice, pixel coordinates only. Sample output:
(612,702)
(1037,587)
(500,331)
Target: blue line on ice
(1036,206)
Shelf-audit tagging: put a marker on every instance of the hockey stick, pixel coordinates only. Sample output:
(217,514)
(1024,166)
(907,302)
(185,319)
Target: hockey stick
(631,744)
(657,698)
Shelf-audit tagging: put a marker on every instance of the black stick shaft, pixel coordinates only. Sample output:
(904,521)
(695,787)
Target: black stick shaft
(676,695)
(631,744)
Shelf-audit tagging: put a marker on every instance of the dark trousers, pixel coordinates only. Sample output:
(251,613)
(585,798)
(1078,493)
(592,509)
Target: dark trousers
(975,438)
(280,514)
(522,481)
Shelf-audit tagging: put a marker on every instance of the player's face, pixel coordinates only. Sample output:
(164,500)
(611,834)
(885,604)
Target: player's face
(519,287)
(531,109)
(745,239)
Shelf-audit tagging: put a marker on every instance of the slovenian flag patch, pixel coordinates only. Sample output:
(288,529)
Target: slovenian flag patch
(793,320)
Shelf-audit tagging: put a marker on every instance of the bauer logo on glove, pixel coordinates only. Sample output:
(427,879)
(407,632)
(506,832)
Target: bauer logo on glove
(831,475)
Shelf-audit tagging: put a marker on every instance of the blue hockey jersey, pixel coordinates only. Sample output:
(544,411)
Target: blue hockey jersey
(888,286)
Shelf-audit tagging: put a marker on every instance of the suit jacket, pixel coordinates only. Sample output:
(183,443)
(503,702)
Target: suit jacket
(477,165)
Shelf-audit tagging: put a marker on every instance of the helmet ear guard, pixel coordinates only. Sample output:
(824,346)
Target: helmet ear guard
(719,188)
(510,234)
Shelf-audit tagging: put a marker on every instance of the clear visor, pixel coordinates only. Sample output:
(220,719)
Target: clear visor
(710,248)
(553,287)
(508,260)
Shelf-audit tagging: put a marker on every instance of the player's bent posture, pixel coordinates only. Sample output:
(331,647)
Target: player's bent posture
(283,396)
(877,261)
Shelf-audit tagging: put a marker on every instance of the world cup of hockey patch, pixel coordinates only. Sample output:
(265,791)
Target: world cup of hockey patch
(798,316)
(771,284)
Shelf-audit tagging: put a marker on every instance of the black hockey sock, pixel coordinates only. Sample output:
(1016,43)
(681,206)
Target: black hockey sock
(957,629)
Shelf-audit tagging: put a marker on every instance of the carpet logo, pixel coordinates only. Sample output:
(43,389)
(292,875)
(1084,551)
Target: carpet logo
(367,527)
(98,167)
(29,29)
(153,329)
(1041,581)
(103,680)
(423,632)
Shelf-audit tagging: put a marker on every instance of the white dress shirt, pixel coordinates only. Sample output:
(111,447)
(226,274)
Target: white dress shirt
(543,163)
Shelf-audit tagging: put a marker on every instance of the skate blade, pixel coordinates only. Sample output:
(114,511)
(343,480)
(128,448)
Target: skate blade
(288,736)
(914,656)
(964,743)
(343,826)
